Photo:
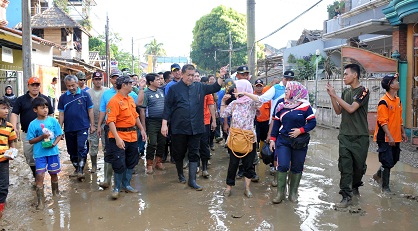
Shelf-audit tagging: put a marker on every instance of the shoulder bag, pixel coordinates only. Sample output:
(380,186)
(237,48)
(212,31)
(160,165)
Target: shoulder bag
(240,141)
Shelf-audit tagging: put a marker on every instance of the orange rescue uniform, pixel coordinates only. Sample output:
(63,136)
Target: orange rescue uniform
(389,112)
(122,111)
(264,109)
(206,112)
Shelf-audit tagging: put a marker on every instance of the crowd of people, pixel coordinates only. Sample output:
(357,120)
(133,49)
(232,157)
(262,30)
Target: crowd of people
(179,113)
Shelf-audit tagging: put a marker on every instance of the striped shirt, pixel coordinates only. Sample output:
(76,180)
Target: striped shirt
(7,134)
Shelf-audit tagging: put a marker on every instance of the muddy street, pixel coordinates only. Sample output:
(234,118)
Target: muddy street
(165,204)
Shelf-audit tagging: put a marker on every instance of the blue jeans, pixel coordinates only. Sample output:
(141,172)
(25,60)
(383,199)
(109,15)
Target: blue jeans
(289,158)
(77,144)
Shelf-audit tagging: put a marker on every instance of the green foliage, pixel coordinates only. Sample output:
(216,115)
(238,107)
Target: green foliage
(155,49)
(340,4)
(86,23)
(62,4)
(291,59)
(124,58)
(211,32)
(306,67)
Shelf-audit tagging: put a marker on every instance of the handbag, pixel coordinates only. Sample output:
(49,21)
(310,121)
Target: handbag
(240,141)
(301,141)
(267,154)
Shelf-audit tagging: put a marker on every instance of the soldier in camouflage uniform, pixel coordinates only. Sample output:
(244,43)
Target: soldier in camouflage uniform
(96,94)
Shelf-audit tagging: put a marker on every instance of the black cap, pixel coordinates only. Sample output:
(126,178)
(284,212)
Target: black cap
(387,81)
(259,82)
(96,75)
(243,69)
(115,73)
(123,79)
(289,74)
(80,75)
(175,66)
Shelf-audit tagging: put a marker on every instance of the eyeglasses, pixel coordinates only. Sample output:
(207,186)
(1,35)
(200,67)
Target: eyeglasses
(82,79)
(97,79)
(35,84)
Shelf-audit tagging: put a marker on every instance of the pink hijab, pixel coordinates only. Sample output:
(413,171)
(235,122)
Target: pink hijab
(298,96)
(243,85)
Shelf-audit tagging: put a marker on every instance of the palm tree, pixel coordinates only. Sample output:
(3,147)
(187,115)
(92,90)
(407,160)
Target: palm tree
(154,49)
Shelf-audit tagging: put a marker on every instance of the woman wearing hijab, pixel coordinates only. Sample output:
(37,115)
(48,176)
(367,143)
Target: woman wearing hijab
(9,96)
(293,117)
(242,110)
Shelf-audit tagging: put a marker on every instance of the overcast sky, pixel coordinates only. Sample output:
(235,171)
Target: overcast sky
(171,22)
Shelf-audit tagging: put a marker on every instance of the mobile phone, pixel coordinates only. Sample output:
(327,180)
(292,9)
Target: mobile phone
(240,95)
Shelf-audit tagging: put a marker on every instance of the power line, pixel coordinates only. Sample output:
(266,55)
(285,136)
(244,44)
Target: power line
(272,33)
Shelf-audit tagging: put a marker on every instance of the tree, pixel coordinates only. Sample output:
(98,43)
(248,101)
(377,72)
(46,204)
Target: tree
(62,4)
(154,49)
(123,58)
(211,33)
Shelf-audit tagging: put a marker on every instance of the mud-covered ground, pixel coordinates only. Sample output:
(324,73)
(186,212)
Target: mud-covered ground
(164,204)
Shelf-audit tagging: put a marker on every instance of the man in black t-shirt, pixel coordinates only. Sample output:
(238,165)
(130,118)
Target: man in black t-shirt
(23,107)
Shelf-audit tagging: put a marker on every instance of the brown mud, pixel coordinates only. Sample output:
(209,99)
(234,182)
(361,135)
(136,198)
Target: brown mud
(164,204)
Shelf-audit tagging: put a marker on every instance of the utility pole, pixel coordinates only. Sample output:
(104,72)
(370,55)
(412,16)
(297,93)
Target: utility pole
(214,70)
(230,54)
(132,57)
(107,51)
(26,42)
(251,46)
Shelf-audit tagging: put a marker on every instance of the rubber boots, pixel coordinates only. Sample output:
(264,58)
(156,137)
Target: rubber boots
(40,198)
(149,169)
(294,185)
(108,173)
(159,163)
(54,186)
(274,181)
(93,164)
(192,176)
(80,171)
(205,173)
(118,182)
(378,176)
(281,186)
(179,167)
(1,209)
(75,173)
(385,180)
(126,181)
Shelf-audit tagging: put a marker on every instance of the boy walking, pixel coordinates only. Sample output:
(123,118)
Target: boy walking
(389,130)
(44,133)
(7,138)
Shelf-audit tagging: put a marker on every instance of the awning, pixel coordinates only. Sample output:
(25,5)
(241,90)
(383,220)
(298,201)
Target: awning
(370,61)
(372,26)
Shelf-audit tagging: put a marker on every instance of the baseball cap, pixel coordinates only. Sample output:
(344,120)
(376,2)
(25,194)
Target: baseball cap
(387,81)
(259,82)
(80,75)
(289,74)
(115,73)
(175,66)
(123,79)
(96,75)
(243,69)
(33,80)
